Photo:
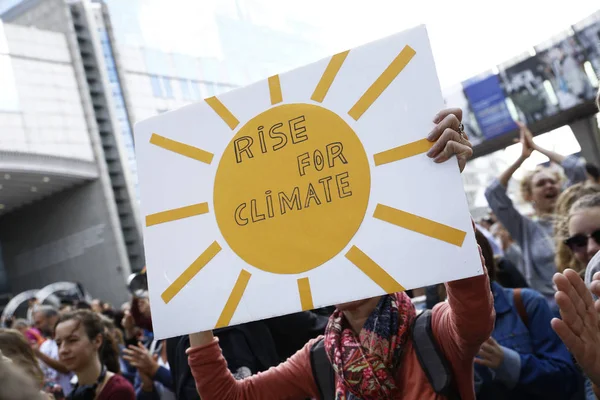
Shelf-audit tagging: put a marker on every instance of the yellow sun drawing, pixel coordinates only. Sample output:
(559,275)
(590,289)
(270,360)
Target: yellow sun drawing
(292,188)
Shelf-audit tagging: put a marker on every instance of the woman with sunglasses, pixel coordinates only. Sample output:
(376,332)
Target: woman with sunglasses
(541,187)
(584,228)
(565,258)
(86,348)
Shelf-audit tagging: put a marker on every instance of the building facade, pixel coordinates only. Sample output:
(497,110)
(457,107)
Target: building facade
(80,224)
(82,72)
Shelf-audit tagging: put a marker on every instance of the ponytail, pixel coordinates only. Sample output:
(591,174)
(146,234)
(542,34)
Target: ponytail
(109,352)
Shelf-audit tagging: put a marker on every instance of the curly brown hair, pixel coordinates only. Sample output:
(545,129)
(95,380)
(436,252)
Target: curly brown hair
(564,256)
(14,346)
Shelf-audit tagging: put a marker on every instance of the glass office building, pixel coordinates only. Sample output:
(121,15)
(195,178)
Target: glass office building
(119,103)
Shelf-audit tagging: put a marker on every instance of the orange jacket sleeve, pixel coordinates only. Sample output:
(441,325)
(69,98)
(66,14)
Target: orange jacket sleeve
(462,324)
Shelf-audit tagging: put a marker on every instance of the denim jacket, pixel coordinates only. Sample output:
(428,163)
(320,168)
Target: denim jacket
(536,364)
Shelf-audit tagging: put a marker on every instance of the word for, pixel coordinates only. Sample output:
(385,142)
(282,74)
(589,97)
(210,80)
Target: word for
(332,150)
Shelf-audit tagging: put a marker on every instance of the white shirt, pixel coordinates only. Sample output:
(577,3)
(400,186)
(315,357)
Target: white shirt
(50,349)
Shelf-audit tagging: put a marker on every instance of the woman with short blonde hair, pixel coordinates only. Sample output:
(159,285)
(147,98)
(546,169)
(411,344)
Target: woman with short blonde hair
(541,188)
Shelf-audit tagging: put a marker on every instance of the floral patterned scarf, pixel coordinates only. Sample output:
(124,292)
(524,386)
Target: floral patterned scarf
(365,365)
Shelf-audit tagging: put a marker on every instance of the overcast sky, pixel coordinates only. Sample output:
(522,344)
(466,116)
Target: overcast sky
(467,36)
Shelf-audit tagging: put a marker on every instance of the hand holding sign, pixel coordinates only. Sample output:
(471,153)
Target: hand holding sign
(449,141)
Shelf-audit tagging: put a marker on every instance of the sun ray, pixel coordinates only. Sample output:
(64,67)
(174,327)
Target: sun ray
(275,90)
(329,76)
(222,112)
(234,299)
(176,213)
(382,82)
(373,270)
(181,148)
(402,152)
(190,272)
(420,225)
(305,294)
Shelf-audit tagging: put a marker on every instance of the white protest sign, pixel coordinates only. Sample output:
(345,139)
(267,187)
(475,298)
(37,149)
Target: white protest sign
(308,189)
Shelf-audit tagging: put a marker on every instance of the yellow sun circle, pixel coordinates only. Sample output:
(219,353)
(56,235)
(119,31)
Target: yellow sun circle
(292,188)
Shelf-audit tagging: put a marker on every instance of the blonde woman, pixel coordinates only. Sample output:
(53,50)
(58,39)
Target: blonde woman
(540,187)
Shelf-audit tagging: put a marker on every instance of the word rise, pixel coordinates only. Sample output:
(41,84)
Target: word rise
(278,138)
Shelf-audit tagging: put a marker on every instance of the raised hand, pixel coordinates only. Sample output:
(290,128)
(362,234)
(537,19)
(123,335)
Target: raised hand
(579,329)
(526,140)
(140,358)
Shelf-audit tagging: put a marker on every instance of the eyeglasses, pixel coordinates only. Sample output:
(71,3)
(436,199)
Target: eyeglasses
(580,241)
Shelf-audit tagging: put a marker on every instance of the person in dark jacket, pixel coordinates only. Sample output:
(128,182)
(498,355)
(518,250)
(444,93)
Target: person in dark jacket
(248,348)
(524,358)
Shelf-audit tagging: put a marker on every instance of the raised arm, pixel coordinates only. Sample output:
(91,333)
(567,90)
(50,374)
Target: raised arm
(291,379)
(498,199)
(574,167)
(51,362)
(527,147)
(510,171)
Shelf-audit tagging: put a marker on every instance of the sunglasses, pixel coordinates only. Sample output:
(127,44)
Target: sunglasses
(580,241)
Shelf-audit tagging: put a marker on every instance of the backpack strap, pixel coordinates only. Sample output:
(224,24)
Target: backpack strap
(432,360)
(520,306)
(322,370)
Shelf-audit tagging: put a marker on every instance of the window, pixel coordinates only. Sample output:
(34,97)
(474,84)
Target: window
(119,103)
(110,63)
(186,66)
(156,86)
(196,93)
(121,115)
(156,62)
(209,89)
(112,75)
(210,69)
(103,36)
(167,89)
(185,89)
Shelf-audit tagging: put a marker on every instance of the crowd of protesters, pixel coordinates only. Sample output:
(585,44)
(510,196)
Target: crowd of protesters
(527,328)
